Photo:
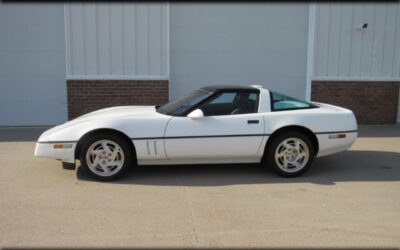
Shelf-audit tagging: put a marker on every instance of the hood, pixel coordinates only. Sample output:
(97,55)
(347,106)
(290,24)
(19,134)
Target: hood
(118,112)
(121,111)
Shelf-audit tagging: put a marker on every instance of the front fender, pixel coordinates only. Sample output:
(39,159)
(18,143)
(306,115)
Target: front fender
(143,132)
(132,128)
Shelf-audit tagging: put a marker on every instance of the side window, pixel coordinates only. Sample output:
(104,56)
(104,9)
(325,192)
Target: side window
(281,102)
(224,98)
(253,97)
(231,103)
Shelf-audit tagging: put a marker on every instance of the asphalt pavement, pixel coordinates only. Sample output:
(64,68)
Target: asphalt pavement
(351,199)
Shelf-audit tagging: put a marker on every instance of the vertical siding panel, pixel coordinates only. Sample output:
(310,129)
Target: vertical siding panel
(164,39)
(154,38)
(396,54)
(346,29)
(335,18)
(322,39)
(142,38)
(389,40)
(68,38)
(378,40)
(83,37)
(116,39)
(90,39)
(367,40)
(345,50)
(103,20)
(77,41)
(129,39)
(316,40)
(96,28)
(356,40)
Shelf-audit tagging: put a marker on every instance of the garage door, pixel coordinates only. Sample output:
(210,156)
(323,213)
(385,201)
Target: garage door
(238,44)
(32,64)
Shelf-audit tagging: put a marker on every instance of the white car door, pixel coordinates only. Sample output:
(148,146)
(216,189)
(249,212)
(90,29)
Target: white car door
(215,138)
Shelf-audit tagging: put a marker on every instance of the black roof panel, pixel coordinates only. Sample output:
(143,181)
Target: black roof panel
(228,87)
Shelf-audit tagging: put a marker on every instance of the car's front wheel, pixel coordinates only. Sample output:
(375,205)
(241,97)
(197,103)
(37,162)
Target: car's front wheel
(105,156)
(290,154)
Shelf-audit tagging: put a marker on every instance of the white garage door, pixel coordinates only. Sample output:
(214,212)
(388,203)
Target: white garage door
(238,43)
(32,64)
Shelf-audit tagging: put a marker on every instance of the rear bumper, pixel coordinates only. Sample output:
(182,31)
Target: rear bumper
(329,146)
(47,150)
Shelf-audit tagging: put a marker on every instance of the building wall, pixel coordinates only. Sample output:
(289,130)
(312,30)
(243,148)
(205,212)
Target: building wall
(32,64)
(372,102)
(122,40)
(343,50)
(358,68)
(94,48)
(238,43)
(398,109)
(85,96)
(117,54)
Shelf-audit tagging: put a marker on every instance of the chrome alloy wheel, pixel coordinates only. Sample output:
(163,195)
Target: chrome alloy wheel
(292,155)
(105,158)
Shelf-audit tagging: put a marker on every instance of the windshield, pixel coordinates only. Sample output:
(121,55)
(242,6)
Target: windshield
(179,106)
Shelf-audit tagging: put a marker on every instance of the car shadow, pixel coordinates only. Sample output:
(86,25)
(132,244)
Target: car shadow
(343,167)
(21,134)
(368,131)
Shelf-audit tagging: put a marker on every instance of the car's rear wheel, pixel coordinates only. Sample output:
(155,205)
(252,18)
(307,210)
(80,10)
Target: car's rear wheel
(105,156)
(290,154)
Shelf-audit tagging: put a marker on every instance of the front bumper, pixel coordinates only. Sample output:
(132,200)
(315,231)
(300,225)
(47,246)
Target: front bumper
(48,150)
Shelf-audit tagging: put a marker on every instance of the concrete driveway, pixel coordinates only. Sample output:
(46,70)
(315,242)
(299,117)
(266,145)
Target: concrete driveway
(351,199)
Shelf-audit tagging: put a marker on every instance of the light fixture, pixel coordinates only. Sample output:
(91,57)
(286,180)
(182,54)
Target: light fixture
(362,26)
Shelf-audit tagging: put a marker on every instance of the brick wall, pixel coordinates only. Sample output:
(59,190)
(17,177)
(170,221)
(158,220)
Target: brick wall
(86,96)
(372,102)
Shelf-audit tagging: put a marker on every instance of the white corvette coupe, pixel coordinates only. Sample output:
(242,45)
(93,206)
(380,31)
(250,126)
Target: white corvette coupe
(215,124)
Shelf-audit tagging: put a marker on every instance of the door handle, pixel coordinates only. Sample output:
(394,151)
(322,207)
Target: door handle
(253,121)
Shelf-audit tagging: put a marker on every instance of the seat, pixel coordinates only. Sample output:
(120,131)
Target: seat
(242,105)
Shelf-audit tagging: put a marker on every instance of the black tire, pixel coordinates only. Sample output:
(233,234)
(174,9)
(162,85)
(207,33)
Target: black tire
(270,159)
(128,153)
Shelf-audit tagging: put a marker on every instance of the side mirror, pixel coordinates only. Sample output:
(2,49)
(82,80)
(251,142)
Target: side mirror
(196,114)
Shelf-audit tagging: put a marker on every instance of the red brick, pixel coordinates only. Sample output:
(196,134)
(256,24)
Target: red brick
(371,102)
(87,96)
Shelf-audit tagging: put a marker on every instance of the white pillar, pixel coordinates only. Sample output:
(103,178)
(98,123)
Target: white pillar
(310,49)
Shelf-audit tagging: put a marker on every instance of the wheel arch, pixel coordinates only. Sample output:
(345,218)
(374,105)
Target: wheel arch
(306,131)
(103,130)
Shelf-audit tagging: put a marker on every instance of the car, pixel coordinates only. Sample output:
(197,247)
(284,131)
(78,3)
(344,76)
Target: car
(212,125)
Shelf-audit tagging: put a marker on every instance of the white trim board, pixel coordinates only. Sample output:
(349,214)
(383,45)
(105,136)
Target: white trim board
(117,77)
(168,49)
(66,35)
(310,49)
(355,79)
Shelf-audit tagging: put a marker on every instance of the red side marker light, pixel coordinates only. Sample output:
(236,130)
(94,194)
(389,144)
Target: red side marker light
(337,136)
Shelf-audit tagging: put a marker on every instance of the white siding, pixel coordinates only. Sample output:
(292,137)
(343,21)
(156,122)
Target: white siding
(121,40)
(32,64)
(343,51)
(239,44)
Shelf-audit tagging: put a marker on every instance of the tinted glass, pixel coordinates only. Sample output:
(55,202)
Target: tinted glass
(224,98)
(283,102)
(231,103)
(179,106)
